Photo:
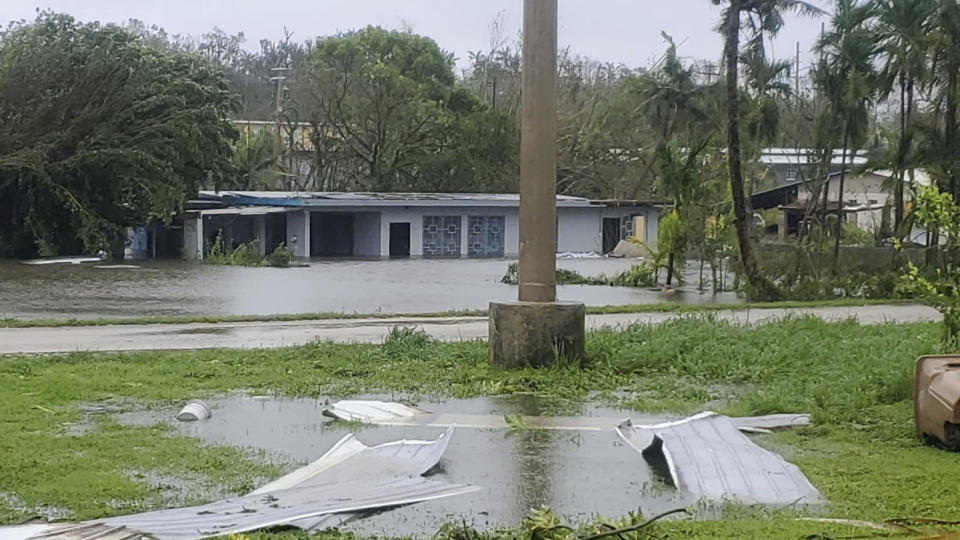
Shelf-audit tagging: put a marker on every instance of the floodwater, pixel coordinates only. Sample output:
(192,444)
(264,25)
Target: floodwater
(578,474)
(345,286)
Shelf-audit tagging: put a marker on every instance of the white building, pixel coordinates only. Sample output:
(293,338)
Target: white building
(314,224)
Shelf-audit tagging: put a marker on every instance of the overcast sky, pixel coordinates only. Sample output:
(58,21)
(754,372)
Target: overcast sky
(625,31)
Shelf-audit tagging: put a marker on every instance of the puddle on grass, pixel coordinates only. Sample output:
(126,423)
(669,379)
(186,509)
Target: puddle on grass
(172,490)
(578,474)
(14,502)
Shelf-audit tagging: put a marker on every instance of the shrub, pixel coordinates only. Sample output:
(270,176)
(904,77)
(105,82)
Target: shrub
(281,257)
(639,275)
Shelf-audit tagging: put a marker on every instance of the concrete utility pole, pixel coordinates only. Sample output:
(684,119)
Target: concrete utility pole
(538,153)
(537,329)
(279,78)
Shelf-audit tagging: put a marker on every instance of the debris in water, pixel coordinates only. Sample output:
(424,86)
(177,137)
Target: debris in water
(706,455)
(64,260)
(386,413)
(369,411)
(194,410)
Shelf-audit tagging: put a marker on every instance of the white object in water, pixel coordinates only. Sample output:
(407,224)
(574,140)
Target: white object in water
(194,410)
(369,411)
(64,260)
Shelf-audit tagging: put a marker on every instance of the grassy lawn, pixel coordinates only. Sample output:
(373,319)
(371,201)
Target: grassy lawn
(596,310)
(855,380)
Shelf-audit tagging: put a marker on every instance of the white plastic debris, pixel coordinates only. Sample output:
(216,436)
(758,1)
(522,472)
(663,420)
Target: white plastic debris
(194,410)
(370,411)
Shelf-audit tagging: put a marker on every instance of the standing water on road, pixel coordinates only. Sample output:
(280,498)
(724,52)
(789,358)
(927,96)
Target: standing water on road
(342,286)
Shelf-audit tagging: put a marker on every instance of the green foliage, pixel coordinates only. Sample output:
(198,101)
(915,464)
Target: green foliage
(254,163)
(802,273)
(246,254)
(392,99)
(672,241)
(639,275)
(942,290)
(405,340)
(936,210)
(281,257)
(643,274)
(100,131)
(853,235)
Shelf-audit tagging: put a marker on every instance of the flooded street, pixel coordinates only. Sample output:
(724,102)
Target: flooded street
(578,473)
(343,286)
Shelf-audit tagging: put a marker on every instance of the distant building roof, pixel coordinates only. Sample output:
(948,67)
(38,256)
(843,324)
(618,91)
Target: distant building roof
(328,199)
(801,156)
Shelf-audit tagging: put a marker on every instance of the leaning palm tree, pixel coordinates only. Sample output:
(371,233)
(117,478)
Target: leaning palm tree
(764,18)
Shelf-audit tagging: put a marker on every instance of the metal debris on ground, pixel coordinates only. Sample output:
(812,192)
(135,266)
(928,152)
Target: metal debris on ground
(349,479)
(707,456)
(369,411)
(194,410)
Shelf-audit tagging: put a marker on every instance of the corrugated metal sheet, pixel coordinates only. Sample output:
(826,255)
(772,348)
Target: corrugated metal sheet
(284,507)
(403,457)
(348,479)
(708,457)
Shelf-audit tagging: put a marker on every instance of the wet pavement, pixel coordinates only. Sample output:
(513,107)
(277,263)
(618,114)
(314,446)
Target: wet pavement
(343,286)
(288,333)
(578,474)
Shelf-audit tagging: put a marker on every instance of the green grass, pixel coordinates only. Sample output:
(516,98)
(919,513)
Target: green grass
(594,310)
(855,380)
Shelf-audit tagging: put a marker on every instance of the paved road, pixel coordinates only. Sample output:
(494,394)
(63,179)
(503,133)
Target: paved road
(287,333)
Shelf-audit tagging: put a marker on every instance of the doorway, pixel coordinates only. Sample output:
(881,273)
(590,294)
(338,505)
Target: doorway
(611,234)
(331,235)
(399,239)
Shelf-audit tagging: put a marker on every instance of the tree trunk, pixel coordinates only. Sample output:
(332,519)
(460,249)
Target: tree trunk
(898,189)
(843,174)
(760,287)
(950,130)
(670,268)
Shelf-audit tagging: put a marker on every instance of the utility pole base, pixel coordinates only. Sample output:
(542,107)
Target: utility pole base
(536,333)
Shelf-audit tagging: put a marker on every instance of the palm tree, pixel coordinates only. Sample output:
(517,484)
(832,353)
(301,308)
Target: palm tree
(766,84)
(254,162)
(764,17)
(945,36)
(903,34)
(846,77)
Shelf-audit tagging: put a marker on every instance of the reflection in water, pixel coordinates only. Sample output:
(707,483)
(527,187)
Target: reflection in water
(388,286)
(535,468)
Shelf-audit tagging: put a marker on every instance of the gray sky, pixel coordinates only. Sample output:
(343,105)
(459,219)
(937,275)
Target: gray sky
(626,31)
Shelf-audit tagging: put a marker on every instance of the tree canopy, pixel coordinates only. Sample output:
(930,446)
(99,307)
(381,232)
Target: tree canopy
(99,131)
(393,103)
